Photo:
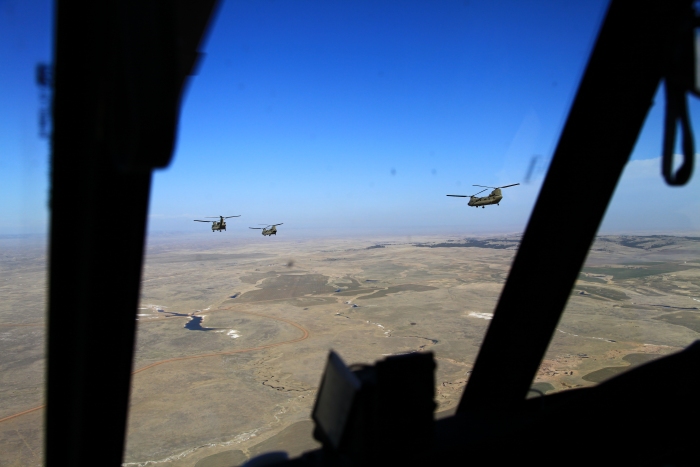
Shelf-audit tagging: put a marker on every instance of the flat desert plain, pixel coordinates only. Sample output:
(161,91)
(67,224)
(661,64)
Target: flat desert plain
(233,334)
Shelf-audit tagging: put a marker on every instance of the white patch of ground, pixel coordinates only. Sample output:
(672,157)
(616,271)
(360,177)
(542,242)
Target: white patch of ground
(486,316)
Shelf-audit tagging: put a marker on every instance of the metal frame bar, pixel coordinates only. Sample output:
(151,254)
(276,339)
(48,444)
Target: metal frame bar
(120,68)
(614,97)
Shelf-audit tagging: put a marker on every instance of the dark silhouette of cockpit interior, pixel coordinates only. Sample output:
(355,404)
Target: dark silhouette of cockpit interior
(120,71)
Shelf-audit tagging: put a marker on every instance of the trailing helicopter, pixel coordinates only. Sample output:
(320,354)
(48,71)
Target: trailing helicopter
(494,197)
(218,225)
(268,229)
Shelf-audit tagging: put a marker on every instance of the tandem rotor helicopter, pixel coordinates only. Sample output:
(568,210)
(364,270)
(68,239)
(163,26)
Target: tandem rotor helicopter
(494,197)
(218,225)
(268,229)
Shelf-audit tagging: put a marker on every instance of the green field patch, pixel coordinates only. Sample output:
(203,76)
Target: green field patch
(352,293)
(648,242)
(588,295)
(254,277)
(637,270)
(288,286)
(354,284)
(352,288)
(601,375)
(667,286)
(633,359)
(640,358)
(543,387)
(497,244)
(585,278)
(688,319)
(604,292)
(399,288)
(646,291)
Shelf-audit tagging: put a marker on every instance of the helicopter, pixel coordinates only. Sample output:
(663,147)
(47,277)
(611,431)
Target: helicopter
(217,225)
(494,197)
(268,229)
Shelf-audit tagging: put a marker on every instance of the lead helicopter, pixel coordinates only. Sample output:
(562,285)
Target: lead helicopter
(268,229)
(218,225)
(494,197)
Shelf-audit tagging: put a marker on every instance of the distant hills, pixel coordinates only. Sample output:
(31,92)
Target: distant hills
(645,242)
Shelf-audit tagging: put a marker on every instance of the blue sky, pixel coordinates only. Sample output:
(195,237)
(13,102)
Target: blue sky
(355,118)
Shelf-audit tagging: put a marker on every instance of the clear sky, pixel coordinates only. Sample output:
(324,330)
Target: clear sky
(355,117)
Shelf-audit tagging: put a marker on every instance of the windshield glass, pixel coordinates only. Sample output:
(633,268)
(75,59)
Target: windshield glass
(638,295)
(25,126)
(347,124)
(305,210)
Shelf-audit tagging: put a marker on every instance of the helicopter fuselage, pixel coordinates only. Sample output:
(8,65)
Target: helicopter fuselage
(270,231)
(219,225)
(494,198)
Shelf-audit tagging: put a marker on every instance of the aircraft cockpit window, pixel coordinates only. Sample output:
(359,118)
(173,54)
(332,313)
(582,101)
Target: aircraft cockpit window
(25,127)
(347,176)
(347,124)
(637,298)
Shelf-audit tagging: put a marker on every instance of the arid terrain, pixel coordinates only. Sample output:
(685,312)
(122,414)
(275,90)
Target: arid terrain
(233,336)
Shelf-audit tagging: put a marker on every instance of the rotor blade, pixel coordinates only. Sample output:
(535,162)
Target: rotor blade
(459,196)
(484,186)
(509,185)
(257,228)
(228,217)
(277,224)
(478,193)
(197,220)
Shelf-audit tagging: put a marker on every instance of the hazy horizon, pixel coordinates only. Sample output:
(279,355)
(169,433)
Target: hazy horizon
(356,119)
